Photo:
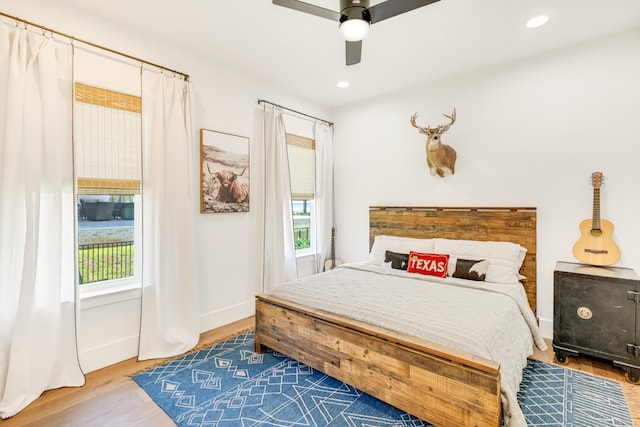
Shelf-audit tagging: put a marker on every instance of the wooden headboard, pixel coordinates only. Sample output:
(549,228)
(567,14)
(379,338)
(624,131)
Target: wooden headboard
(503,224)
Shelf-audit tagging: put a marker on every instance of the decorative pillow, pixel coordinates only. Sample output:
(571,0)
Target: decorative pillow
(400,245)
(505,258)
(428,264)
(398,261)
(471,269)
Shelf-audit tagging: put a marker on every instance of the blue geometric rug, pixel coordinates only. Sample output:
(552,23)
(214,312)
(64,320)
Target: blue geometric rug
(228,385)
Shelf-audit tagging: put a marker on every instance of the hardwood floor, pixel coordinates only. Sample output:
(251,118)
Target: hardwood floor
(111,398)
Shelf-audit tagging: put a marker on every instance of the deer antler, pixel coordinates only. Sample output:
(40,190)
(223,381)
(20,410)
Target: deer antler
(413,123)
(451,117)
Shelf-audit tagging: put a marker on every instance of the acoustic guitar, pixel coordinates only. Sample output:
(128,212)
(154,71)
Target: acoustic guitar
(596,245)
(332,262)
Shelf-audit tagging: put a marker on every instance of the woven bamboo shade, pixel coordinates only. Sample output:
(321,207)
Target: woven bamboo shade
(302,167)
(107,141)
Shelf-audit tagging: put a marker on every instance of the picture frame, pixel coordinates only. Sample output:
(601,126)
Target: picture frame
(224,172)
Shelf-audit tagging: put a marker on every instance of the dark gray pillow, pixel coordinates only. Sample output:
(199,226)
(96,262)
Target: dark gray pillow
(471,269)
(398,261)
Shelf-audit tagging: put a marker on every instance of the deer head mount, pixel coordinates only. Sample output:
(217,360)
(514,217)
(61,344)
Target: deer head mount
(441,158)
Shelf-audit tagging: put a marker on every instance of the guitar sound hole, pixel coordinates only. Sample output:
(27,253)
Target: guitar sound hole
(595,232)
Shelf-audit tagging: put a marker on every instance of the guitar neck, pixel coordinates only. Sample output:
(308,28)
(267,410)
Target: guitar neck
(596,208)
(333,245)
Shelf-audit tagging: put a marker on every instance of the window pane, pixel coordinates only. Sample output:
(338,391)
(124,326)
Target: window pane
(105,237)
(107,153)
(301,152)
(301,223)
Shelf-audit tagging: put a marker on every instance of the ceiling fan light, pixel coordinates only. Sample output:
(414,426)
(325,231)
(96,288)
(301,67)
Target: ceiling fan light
(354,30)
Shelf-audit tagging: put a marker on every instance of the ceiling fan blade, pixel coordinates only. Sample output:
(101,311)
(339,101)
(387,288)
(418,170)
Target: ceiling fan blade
(309,8)
(354,52)
(391,8)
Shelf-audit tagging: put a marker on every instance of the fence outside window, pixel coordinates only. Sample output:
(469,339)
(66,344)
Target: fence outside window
(302,231)
(105,261)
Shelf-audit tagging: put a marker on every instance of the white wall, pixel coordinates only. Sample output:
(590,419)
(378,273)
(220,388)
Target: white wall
(527,134)
(227,244)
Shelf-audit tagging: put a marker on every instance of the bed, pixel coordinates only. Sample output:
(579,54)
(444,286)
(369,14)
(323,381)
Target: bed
(443,384)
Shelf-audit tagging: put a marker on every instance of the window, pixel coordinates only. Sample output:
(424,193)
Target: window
(107,154)
(301,152)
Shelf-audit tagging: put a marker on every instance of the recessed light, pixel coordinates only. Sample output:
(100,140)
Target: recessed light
(343,84)
(538,21)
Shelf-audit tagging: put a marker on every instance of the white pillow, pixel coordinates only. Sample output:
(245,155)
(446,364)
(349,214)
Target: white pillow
(402,245)
(505,258)
(521,256)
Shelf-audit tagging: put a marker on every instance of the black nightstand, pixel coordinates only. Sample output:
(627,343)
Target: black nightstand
(597,313)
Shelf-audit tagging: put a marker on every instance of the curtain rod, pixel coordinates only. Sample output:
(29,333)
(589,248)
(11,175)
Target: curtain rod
(72,38)
(294,111)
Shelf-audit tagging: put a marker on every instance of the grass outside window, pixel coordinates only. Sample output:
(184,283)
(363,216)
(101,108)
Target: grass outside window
(105,261)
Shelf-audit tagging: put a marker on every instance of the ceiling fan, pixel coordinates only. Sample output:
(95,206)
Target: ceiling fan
(355,17)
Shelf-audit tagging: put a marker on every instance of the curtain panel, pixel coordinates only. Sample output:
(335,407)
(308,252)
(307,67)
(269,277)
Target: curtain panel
(324,192)
(170,319)
(38,347)
(279,255)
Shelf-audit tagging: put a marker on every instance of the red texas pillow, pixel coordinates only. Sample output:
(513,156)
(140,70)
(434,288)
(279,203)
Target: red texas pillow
(428,264)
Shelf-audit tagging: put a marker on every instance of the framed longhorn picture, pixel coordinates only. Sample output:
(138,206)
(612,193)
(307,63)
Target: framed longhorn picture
(224,172)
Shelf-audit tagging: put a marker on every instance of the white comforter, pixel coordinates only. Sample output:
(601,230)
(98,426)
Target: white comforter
(489,320)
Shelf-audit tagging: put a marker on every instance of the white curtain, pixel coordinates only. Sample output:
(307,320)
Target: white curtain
(324,192)
(38,349)
(279,262)
(170,314)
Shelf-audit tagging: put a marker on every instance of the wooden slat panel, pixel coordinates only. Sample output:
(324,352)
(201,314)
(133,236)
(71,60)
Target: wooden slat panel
(439,409)
(446,388)
(107,98)
(503,224)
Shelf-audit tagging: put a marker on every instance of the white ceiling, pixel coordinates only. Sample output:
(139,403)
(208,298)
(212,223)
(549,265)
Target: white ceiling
(305,54)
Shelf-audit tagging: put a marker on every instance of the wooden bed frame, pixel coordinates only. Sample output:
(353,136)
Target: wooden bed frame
(433,382)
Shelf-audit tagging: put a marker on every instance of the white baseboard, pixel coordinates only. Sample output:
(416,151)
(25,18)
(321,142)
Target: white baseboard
(104,355)
(215,319)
